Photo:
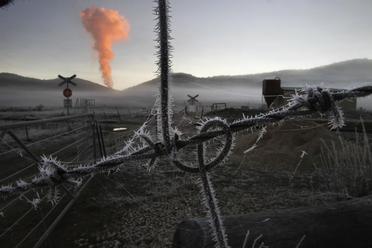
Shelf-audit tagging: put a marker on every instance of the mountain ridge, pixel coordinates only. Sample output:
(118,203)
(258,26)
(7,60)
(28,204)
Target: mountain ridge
(15,89)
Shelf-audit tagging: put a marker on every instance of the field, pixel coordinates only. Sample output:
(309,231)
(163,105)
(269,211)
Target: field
(72,140)
(262,145)
(139,208)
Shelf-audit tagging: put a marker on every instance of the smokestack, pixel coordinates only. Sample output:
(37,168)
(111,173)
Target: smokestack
(106,27)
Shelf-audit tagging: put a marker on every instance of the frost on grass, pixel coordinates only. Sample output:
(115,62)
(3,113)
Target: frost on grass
(336,118)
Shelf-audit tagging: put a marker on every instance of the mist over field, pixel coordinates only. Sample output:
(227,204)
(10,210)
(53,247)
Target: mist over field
(16,90)
(170,124)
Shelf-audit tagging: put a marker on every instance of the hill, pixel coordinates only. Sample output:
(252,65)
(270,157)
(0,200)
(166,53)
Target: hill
(247,88)
(16,90)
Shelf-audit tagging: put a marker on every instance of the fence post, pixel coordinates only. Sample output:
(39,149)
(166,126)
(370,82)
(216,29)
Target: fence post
(102,141)
(117,111)
(23,146)
(94,136)
(27,135)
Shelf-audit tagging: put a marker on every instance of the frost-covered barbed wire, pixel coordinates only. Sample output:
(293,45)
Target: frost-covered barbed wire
(170,135)
(321,100)
(299,105)
(129,146)
(261,134)
(206,186)
(162,29)
(54,172)
(145,147)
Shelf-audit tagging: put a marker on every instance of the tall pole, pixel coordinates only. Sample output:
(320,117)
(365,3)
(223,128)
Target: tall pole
(68,106)
(164,70)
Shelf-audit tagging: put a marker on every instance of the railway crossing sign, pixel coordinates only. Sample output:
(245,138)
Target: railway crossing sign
(67,92)
(67,80)
(67,103)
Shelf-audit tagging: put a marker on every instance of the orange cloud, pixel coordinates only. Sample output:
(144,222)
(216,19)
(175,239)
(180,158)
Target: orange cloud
(106,27)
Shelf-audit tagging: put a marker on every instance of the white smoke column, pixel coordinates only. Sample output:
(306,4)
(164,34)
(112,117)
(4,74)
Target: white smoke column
(106,27)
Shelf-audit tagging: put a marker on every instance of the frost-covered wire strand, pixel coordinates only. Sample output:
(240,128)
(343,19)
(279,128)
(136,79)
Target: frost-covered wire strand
(15,223)
(144,153)
(42,221)
(163,30)
(206,186)
(44,139)
(305,101)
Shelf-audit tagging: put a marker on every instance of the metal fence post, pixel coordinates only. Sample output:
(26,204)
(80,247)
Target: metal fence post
(27,134)
(94,136)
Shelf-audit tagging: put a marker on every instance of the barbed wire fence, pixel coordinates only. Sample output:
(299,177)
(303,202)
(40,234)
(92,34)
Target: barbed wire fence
(166,142)
(28,219)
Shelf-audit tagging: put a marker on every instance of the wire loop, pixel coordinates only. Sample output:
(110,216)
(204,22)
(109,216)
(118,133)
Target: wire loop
(201,148)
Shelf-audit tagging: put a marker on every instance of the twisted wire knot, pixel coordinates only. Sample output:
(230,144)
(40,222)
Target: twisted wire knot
(158,148)
(319,99)
(52,170)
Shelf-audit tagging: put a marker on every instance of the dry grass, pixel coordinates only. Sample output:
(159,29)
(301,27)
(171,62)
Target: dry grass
(346,166)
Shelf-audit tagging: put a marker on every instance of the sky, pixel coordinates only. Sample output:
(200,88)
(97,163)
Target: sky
(44,38)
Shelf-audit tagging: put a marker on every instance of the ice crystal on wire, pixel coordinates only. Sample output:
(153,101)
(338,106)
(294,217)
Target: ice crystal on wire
(210,202)
(53,173)
(20,152)
(162,30)
(75,181)
(20,183)
(206,186)
(262,132)
(35,202)
(6,189)
(53,195)
(321,100)
(130,143)
(204,121)
(336,118)
(49,166)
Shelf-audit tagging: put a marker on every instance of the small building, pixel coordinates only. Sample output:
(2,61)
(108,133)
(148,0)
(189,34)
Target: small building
(271,89)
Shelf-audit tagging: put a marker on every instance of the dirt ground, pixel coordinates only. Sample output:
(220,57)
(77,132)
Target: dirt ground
(137,208)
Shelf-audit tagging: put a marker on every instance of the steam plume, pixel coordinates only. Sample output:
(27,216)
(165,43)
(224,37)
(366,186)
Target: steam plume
(107,27)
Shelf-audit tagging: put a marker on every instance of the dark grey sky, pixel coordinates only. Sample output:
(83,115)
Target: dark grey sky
(43,38)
